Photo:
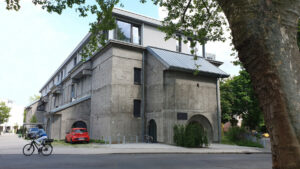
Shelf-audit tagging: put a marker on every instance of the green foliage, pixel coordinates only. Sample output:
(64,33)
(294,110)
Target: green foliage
(192,135)
(33,119)
(237,136)
(34,98)
(178,137)
(24,115)
(4,112)
(238,99)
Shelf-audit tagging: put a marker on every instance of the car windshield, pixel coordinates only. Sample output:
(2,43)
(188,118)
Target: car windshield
(79,130)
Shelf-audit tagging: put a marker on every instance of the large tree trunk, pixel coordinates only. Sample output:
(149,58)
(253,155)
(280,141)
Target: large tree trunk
(264,34)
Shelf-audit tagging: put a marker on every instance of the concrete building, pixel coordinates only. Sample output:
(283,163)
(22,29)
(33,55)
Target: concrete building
(33,113)
(137,84)
(16,117)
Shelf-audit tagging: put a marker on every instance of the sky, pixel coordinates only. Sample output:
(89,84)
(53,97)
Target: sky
(34,43)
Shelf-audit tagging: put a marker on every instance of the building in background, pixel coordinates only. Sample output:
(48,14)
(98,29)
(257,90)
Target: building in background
(137,84)
(15,121)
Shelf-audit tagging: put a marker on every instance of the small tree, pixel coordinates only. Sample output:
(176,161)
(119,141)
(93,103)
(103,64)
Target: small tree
(34,98)
(4,112)
(24,115)
(33,119)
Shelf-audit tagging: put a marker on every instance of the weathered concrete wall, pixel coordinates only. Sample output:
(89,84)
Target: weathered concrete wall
(32,111)
(154,94)
(124,91)
(194,95)
(100,119)
(63,120)
(170,92)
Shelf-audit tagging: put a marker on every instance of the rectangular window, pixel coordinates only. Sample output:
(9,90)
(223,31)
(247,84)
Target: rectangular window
(137,108)
(61,75)
(75,61)
(178,43)
(110,34)
(136,38)
(72,92)
(123,31)
(137,76)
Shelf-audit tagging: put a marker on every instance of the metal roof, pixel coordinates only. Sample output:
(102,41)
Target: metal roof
(181,61)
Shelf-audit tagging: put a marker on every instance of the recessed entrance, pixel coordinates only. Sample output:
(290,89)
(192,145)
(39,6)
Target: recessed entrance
(79,124)
(153,130)
(204,123)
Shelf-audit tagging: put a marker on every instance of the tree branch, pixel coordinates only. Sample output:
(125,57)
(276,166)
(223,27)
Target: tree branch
(185,10)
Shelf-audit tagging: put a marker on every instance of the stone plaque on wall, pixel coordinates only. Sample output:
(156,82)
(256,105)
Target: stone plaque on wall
(182,116)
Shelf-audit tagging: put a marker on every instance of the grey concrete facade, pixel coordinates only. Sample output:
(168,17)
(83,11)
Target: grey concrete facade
(172,92)
(101,90)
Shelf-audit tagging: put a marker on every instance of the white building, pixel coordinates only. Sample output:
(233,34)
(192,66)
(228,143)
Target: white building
(15,119)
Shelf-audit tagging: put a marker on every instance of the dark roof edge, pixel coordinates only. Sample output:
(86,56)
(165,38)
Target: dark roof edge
(201,72)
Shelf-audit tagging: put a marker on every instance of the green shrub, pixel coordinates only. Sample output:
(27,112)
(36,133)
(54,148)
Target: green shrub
(191,135)
(179,131)
(236,134)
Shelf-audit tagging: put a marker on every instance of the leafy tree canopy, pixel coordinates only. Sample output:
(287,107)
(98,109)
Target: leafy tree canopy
(4,112)
(238,99)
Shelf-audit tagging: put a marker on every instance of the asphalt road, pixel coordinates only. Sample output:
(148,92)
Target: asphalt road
(137,161)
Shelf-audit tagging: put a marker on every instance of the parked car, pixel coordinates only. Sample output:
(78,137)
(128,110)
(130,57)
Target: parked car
(32,132)
(77,135)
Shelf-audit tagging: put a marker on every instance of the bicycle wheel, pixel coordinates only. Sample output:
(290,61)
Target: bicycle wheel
(47,149)
(28,149)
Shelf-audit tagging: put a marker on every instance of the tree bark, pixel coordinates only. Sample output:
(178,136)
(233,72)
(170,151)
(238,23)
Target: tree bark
(265,36)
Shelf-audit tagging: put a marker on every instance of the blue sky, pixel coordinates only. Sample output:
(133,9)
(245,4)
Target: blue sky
(33,44)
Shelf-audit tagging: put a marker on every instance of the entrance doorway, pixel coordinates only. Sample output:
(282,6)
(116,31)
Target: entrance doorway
(153,130)
(204,123)
(79,124)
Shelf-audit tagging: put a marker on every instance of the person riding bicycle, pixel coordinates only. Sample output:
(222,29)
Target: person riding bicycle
(41,134)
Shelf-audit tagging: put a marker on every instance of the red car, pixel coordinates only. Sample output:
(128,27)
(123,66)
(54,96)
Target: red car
(77,135)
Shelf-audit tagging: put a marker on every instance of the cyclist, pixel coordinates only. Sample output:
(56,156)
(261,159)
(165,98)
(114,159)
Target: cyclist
(41,134)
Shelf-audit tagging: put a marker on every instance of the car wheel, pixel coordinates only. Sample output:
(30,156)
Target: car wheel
(71,141)
(66,140)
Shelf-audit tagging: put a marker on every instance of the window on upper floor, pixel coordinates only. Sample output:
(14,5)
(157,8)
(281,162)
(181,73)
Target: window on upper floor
(126,32)
(72,92)
(123,31)
(137,76)
(137,108)
(61,75)
(75,61)
(178,43)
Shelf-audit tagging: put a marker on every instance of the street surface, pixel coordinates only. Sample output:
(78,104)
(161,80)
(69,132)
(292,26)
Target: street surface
(132,156)
(138,161)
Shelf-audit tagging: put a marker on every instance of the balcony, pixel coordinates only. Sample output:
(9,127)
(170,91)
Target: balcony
(57,89)
(81,70)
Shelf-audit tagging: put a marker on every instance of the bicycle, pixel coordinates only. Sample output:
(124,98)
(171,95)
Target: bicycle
(45,148)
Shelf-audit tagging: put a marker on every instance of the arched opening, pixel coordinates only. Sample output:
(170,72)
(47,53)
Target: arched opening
(153,130)
(204,123)
(79,124)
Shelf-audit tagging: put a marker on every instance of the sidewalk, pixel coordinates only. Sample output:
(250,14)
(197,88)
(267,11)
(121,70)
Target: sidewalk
(11,144)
